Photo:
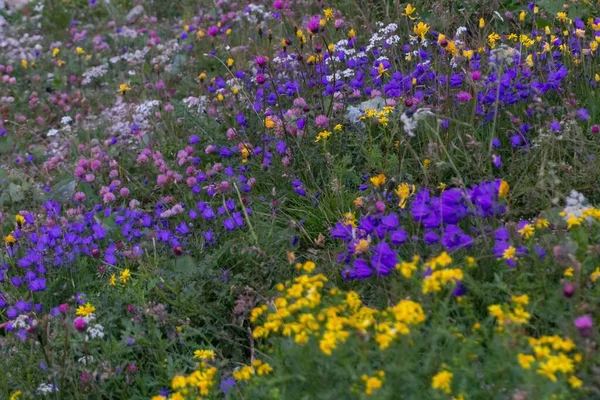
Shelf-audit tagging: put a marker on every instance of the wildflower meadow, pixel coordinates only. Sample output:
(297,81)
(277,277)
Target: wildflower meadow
(294,199)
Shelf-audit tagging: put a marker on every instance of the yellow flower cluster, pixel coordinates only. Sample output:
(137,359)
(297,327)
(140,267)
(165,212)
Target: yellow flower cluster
(381,117)
(246,372)
(513,314)
(373,383)
(573,221)
(552,355)
(443,381)
(204,354)
(305,309)
(198,383)
(440,277)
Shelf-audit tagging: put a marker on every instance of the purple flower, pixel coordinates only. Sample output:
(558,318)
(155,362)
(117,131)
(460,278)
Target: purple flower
(584,324)
(227,384)
(582,114)
(384,259)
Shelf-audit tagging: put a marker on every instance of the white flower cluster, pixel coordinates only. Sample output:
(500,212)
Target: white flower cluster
(94,72)
(136,57)
(576,204)
(199,103)
(383,36)
(165,50)
(254,14)
(86,360)
(127,32)
(340,75)
(95,331)
(46,388)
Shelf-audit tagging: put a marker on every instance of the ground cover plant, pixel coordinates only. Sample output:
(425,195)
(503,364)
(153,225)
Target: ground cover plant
(299,200)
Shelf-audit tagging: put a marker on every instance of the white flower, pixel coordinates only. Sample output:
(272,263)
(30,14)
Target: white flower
(66,120)
(46,388)
(95,332)
(86,360)
(52,132)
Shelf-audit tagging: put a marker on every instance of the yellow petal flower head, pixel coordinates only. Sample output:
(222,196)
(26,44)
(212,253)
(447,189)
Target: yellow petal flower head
(421,30)
(503,189)
(85,310)
(409,10)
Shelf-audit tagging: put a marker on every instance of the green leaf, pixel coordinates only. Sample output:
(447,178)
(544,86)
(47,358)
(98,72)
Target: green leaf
(16,192)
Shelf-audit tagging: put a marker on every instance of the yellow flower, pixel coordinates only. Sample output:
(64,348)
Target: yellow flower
(525,360)
(20,219)
(351,33)
(382,70)
(471,261)
(503,189)
(230,62)
(123,87)
(10,239)
(159,397)
(328,12)
(378,180)
(24,64)
(562,16)
(85,310)
(204,354)
(338,127)
(15,395)
(541,223)
(361,247)
(509,253)
(442,381)
(568,272)
(79,51)
(404,191)
(178,382)
(264,369)
(522,300)
(575,382)
(527,231)
(323,135)
(421,29)
(125,276)
(269,123)
(55,51)
(481,23)
(595,275)
(244,373)
(112,281)
(427,161)
(373,383)
(522,16)
(409,10)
